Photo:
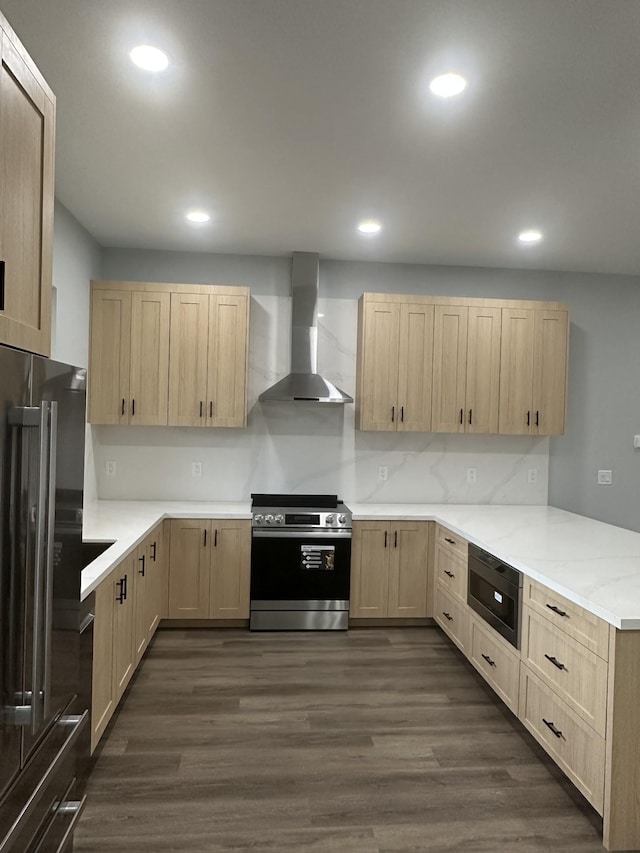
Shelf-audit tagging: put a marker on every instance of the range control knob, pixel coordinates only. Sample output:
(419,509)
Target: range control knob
(342,519)
(279,519)
(268,519)
(330,518)
(258,519)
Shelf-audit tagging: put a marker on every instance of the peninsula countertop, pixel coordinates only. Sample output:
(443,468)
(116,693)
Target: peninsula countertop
(593,564)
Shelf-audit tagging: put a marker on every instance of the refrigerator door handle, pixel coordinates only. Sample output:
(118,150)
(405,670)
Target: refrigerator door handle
(49,545)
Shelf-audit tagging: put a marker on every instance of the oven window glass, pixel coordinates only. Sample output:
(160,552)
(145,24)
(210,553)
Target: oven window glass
(299,568)
(501,603)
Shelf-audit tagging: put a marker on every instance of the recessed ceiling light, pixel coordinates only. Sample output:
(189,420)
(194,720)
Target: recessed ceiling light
(369,227)
(198,216)
(149,58)
(448,85)
(531,235)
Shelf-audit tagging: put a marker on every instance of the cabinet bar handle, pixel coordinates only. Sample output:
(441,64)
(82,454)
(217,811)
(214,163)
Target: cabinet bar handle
(393,413)
(133,406)
(126,584)
(205,538)
(154,547)
(122,410)
(537,418)
(395,539)
(215,538)
(447,616)
(556,609)
(488,660)
(2,266)
(528,418)
(141,560)
(402,413)
(385,539)
(461,416)
(201,407)
(470,415)
(210,408)
(555,662)
(450,541)
(549,725)
(121,596)
(450,574)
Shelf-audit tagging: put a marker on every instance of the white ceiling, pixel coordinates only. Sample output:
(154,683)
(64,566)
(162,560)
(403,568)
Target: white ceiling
(291,120)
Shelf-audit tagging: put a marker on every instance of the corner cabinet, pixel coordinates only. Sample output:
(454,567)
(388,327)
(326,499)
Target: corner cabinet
(164,354)
(447,364)
(27,138)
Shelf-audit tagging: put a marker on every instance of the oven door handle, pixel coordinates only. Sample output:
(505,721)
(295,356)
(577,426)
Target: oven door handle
(302,534)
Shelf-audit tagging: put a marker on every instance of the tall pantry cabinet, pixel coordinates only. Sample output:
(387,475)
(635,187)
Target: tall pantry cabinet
(27,131)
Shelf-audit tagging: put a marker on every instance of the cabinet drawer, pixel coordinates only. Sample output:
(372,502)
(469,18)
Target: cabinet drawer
(583,626)
(496,661)
(572,744)
(451,570)
(452,542)
(577,675)
(452,616)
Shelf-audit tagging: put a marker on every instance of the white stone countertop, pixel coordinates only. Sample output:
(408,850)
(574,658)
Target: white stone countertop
(593,564)
(126,523)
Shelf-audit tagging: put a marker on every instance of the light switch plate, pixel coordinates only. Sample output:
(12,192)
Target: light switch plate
(605,477)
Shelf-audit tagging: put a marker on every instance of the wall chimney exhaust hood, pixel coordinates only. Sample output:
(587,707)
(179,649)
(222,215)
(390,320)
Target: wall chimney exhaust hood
(304,382)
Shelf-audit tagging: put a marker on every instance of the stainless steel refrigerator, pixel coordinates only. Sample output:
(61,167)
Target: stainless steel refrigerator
(42,423)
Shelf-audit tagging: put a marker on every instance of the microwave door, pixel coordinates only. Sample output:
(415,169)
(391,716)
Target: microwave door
(14,384)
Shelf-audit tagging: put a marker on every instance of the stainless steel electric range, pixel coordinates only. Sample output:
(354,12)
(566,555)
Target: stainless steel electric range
(300,563)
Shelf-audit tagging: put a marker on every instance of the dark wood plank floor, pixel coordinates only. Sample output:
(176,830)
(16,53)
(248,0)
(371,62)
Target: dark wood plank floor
(373,741)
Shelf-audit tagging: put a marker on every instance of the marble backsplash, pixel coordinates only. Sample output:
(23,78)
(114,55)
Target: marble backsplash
(307,447)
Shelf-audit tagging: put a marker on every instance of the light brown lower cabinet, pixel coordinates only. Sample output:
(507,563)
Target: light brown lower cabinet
(389,569)
(452,615)
(209,569)
(496,660)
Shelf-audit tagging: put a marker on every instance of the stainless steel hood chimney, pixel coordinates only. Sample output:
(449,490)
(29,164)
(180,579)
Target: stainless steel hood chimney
(304,382)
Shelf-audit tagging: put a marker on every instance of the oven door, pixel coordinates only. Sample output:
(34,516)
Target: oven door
(298,572)
(496,600)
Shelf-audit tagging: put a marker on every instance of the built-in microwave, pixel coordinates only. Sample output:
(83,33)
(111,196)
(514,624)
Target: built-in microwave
(495,593)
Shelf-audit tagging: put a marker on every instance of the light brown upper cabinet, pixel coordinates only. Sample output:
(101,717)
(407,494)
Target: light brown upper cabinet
(27,134)
(168,354)
(395,356)
(129,361)
(208,359)
(491,373)
(533,372)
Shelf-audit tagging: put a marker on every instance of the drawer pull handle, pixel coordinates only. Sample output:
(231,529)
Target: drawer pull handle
(450,541)
(556,609)
(549,725)
(555,662)
(450,574)
(488,660)
(447,616)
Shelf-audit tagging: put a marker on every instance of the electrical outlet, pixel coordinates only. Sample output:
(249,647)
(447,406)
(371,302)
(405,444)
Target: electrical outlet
(472,475)
(383,472)
(532,476)
(636,441)
(605,477)
(110,468)
(196,469)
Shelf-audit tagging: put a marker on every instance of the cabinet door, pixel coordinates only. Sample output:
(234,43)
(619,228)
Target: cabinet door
(102,696)
(227,368)
(415,368)
(516,371)
(109,360)
(142,593)
(408,569)
(149,388)
(230,568)
(188,345)
(123,626)
(550,374)
(380,354)
(27,126)
(483,370)
(157,569)
(369,569)
(189,569)
(449,368)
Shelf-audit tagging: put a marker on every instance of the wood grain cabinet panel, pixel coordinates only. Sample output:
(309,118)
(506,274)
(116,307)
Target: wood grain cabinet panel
(149,369)
(451,571)
(495,660)
(449,368)
(389,569)
(189,569)
(230,570)
(188,350)
(124,659)
(27,131)
(103,700)
(452,615)
(415,367)
(484,333)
